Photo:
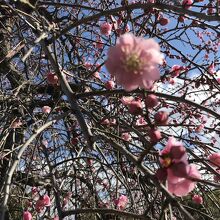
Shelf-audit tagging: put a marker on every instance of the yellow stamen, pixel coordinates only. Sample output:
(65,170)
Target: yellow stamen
(167,161)
(132,63)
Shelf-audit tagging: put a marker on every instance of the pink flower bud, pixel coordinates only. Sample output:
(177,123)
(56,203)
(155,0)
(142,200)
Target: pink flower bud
(199,128)
(181,18)
(126,136)
(197,199)
(110,85)
(164,21)
(106,28)
(96,75)
(74,141)
(27,215)
(151,101)
(161,118)
(155,135)
(34,190)
(187,3)
(52,79)
(46,109)
(121,202)
(46,200)
(135,107)
(105,122)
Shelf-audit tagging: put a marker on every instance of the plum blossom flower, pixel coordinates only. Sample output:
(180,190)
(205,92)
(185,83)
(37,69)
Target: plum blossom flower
(176,70)
(126,100)
(141,122)
(27,215)
(105,122)
(34,190)
(211,69)
(121,202)
(44,201)
(161,118)
(134,106)
(126,136)
(187,4)
(52,79)
(16,124)
(96,75)
(46,109)
(182,186)
(197,199)
(180,175)
(106,28)
(110,84)
(151,101)
(154,135)
(133,62)
(164,21)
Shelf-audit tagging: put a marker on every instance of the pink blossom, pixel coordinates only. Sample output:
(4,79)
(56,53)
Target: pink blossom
(214,159)
(187,3)
(112,121)
(176,169)
(199,128)
(140,122)
(46,109)
(161,118)
(44,201)
(96,75)
(176,69)
(127,28)
(34,190)
(127,100)
(182,186)
(211,68)
(126,136)
(154,135)
(164,21)
(135,107)
(181,18)
(110,85)
(197,199)
(65,201)
(133,62)
(16,124)
(27,215)
(106,28)
(151,101)
(56,218)
(105,122)
(52,79)
(121,202)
